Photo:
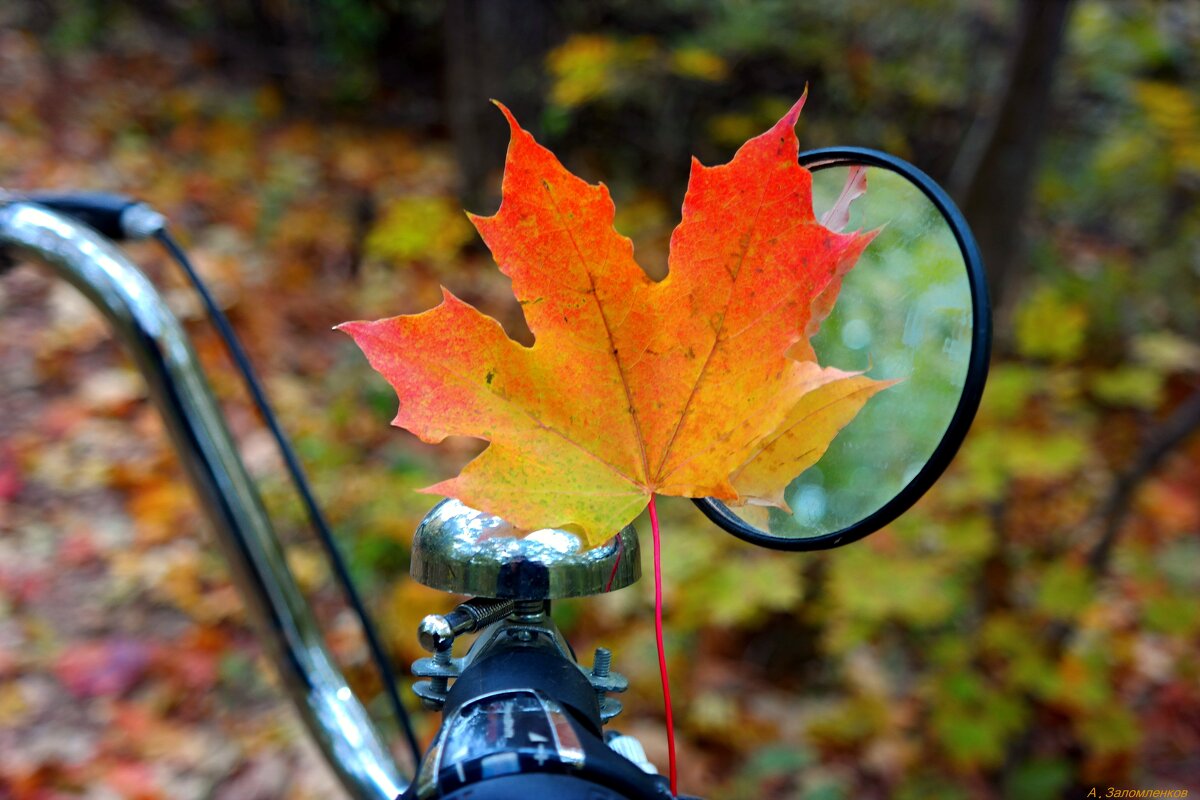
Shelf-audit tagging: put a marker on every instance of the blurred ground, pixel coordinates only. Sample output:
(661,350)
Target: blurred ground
(982,646)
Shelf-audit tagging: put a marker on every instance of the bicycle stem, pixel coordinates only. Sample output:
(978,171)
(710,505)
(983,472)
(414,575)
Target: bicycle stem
(337,721)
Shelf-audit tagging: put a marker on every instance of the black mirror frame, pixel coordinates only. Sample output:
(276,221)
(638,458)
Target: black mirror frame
(968,404)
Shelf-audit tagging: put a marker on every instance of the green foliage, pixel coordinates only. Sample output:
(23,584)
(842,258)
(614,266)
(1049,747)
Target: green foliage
(1171,614)
(1009,389)
(411,229)
(1109,730)
(921,787)
(740,585)
(1051,327)
(588,68)
(1040,779)
(849,722)
(770,766)
(1065,590)
(1133,386)
(81,25)
(972,721)
(869,589)
(1179,563)
(1083,681)
(1024,662)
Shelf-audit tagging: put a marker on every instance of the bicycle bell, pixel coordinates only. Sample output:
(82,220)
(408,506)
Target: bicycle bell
(461,550)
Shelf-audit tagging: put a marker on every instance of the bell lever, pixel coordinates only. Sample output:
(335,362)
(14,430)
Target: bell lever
(516,574)
(437,632)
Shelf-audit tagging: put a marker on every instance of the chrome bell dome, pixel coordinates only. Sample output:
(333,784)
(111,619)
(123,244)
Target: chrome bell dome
(460,550)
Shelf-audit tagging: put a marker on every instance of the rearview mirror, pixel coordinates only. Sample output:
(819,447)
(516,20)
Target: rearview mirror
(915,308)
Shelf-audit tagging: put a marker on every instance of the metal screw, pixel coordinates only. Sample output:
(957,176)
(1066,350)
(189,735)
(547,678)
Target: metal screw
(603,681)
(601,662)
(442,658)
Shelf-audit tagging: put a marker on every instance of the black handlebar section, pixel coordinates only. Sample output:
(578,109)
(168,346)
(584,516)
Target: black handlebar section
(101,211)
(532,666)
(535,785)
(524,669)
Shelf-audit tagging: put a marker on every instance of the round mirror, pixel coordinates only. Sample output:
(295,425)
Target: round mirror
(914,308)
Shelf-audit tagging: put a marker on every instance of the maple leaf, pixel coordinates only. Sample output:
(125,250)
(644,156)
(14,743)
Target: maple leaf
(699,385)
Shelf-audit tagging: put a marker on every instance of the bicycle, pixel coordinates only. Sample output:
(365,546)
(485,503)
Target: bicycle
(520,714)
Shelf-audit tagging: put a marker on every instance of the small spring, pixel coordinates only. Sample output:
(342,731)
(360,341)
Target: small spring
(485,612)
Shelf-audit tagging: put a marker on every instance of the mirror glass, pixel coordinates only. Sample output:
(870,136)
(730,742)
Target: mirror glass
(904,311)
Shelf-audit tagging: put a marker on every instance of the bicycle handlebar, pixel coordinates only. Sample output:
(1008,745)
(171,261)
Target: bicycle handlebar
(159,346)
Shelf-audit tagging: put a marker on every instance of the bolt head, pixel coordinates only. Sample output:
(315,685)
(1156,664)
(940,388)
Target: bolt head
(434,633)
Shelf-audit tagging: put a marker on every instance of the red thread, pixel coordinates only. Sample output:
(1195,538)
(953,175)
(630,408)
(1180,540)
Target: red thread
(662,652)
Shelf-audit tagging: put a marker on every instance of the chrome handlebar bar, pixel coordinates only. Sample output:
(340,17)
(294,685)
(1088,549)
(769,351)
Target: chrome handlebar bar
(159,346)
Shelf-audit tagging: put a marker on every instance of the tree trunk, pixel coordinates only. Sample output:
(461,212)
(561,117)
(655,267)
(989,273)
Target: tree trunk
(994,173)
(494,50)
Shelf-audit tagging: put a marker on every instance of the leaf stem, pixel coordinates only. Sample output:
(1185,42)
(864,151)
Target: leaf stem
(662,652)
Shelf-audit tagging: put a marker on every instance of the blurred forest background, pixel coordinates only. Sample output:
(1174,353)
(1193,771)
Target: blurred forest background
(1029,630)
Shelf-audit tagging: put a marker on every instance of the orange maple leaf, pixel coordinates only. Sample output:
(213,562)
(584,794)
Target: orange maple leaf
(699,385)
